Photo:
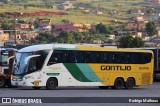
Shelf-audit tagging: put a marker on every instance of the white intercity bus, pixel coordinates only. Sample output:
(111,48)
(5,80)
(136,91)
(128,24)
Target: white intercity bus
(53,65)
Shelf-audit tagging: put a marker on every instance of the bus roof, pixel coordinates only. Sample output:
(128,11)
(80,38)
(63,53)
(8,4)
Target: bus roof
(145,48)
(46,46)
(76,47)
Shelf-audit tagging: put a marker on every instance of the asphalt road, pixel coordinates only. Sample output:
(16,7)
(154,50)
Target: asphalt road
(82,92)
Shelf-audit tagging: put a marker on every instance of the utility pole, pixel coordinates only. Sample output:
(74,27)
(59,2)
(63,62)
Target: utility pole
(15,37)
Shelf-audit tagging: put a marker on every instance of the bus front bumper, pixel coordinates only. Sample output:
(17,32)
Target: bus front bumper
(20,83)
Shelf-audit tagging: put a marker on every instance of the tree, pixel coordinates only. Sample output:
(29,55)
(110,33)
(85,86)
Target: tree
(66,37)
(78,37)
(151,28)
(126,41)
(101,28)
(5,1)
(6,24)
(138,42)
(66,21)
(44,38)
(130,42)
(95,37)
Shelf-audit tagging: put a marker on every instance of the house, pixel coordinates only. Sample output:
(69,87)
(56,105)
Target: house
(72,27)
(86,11)
(156,17)
(29,36)
(135,25)
(152,1)
(65,6)
(97,42)
(140,11)
(137,34)
(82,27)
(4,36)
(22,26)
(111,37)
(138,18)
(114,13)
(43,24)
(24,37)
(62,27)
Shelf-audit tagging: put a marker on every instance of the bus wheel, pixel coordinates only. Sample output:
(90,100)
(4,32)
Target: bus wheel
(51,84)
(36,87)
(2,82)
(119,83)
(103,87)
(130,83)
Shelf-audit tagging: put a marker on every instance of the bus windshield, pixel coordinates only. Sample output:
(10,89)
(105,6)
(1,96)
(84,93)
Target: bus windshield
(33,64)
(19,66)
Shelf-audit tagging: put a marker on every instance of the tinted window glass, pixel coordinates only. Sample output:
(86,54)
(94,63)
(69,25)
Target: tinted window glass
(68,56)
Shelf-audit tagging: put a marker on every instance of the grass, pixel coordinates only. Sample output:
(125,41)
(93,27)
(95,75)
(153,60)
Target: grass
(77,16)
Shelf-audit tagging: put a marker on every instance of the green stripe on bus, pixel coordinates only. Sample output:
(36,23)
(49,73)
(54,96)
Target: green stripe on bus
(88,72)
(52,74)
(76,72)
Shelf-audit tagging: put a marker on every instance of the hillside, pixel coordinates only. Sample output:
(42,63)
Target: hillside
(77,14)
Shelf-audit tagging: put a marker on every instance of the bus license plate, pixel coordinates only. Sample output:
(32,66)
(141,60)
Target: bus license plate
(36,83)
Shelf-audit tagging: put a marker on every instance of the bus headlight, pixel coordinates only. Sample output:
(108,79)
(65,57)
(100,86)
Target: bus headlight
(28,77)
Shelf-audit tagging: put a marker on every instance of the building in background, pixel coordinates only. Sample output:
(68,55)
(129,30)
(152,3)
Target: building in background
(152,1)
(65,6)
(4,37)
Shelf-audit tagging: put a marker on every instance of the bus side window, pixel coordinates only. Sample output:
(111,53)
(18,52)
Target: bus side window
(86,57)
(72,57)
(57,57)
(94,57)
(147,57)
(124,58)
(142,58)
(63,57)
(115,57)
(103,57)
(52,59)
(79,57)
(110,57)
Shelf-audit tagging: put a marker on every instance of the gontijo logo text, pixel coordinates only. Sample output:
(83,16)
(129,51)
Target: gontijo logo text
(115,68)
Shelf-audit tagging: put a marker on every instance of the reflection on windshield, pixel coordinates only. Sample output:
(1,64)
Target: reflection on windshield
(19,66)
(34,63)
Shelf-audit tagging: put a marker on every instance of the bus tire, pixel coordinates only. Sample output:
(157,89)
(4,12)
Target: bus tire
(2,82)
(130,83)
(118,84)
(36,88)
(103,87)
(51,83)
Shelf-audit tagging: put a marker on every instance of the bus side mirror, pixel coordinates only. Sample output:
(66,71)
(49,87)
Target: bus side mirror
(29,57)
